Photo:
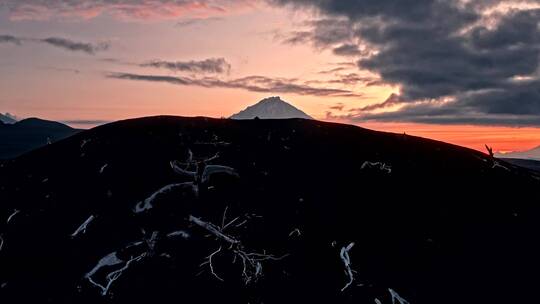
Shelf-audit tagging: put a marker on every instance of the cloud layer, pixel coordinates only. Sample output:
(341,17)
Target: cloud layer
(455,61)
(59,42)
(130,9)
(211,65)
(71,45)
(10,39)
(260,84)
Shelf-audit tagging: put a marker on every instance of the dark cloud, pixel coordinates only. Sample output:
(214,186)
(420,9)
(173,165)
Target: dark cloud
(75,46)
(486,63)
(83,122)
(389,102)
(347,50)
(59,42)
(211,65)
(332,71)
(251,83)
(60,69)
(350,79)
(155,78)
(10,39)
(297,38)
(338,107)
(197,21)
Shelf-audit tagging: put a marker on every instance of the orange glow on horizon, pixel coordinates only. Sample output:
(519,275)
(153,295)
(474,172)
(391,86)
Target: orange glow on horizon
(502,139)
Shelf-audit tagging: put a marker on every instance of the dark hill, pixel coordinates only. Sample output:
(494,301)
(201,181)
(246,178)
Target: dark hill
(264,211)
(29,134)
(525,163)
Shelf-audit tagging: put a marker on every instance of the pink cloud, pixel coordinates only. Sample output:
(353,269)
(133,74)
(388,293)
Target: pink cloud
(122,9)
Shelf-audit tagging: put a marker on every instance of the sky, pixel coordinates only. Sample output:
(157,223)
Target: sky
(461,71)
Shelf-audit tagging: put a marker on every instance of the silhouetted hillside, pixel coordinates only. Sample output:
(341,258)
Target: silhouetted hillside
(198,210)
(29,134)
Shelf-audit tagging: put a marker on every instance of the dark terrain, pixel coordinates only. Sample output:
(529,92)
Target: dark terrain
(525,163)
(265,211)
(28,134)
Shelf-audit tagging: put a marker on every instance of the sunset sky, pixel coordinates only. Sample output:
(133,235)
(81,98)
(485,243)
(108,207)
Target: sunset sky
(461,71)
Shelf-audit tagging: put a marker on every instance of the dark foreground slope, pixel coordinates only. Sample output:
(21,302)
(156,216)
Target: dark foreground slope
(273,218)
(28,134)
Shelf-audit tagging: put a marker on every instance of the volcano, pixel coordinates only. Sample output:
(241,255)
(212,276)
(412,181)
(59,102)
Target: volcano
(271,108)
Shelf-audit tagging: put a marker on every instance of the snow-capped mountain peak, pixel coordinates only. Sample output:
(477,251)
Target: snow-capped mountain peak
(8,118)
(271,108)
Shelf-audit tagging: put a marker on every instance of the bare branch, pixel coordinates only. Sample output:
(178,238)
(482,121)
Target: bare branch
(212,266)
(213,169)
(377,165)
(180,233)
(344,254)
(15,212)
(82,227)
(212,229)
(176,166)
(295,231)
(396,296)
(490,151)
(251,261)
(147,204)
(224,217)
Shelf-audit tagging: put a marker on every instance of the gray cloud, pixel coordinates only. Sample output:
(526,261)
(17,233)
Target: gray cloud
(439,50)
(332,71)
(211,65)
(389,102)
(154,78)
(251,83)
(75,46)
(88,122)
(347,50)
(296,38)
(10,39)
(197,21)
(59,42)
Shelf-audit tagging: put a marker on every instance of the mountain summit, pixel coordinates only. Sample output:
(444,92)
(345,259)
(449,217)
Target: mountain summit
(271,108)
(8,118)
(533,154)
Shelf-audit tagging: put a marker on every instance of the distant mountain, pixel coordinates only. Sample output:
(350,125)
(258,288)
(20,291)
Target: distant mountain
(271,108)
(7,118)
(29,134)
(529,154)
